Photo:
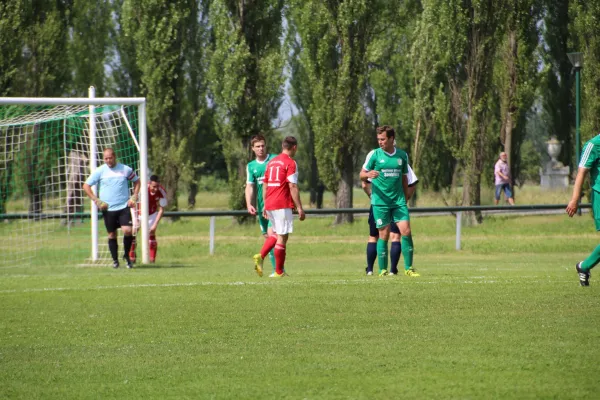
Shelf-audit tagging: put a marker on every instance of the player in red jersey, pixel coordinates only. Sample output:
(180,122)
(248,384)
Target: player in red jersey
(281,195)
(157,201)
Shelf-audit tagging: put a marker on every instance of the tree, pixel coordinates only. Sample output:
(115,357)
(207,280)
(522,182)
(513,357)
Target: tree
(584,23)
(472,32)
(516,75)
(166,39)
(556,77)
(246,79)
(89,45)
(334,37)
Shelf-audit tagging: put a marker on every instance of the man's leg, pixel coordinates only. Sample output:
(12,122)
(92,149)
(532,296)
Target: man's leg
(280,254)
(395,249)
(371,243)
(283,225)
(267,230)
(111,223)
(382,217)
(126,223)
(509,195)
(153,246)
(407,243)
(135,220)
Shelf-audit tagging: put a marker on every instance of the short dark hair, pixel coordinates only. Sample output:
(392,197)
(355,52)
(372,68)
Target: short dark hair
(289,142)
(388,130)
(257,138)
(154,178)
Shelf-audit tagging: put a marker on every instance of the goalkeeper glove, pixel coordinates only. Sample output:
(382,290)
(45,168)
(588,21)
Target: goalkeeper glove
(133,198)
(101,204)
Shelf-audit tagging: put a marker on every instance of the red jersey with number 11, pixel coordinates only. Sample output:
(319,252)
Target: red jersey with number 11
(280,171)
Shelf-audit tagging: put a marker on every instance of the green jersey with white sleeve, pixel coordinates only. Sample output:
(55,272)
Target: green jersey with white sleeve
(255,173)
(387,188)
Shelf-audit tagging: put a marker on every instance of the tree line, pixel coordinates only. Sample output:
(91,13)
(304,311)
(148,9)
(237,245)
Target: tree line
(459,80)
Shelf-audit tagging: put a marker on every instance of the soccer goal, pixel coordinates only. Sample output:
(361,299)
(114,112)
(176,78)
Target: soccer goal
(48,148)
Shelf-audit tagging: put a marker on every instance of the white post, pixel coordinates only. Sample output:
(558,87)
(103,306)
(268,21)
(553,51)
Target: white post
(211,246)
(458,226)
(93,165)
(144,183)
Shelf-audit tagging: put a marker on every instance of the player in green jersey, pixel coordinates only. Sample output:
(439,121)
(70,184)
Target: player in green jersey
(387,168)
(590,162)
(255,172)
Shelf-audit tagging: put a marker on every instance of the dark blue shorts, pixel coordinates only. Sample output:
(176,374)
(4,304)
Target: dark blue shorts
(506,188)
(373,231)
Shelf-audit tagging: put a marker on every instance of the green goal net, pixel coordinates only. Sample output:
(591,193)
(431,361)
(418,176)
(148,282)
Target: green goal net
(46,154)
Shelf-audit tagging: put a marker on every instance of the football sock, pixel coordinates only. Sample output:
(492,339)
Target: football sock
(127,240)
(132,251)
(395,251)
(272,258)
(153,248)
(114,249)
(268,246)
(407,245)
(382,254)
(591,261)
(279,258)
(371,255)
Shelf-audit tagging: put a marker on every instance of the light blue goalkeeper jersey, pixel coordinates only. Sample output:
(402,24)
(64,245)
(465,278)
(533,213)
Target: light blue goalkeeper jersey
(113,184)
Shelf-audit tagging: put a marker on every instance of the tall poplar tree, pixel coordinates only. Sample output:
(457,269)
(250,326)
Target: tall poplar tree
(334,37)
(246,79)
(166,38)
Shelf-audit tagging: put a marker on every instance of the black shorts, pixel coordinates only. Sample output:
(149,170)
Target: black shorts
(113,220)
(373,231)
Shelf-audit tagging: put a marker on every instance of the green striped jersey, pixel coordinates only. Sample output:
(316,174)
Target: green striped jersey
(590,159)
(387,188)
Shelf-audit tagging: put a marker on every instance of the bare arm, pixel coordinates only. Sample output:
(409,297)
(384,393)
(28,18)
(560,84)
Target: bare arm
(405,186)
(161,211)
(366,175)
(264,195)
(366,187)
(249,191)
(574,203)
(410,191)
(296,198)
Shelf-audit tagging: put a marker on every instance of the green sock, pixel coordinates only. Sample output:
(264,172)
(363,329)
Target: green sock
(382,254)
(592,260)
(407,251)
(272,258)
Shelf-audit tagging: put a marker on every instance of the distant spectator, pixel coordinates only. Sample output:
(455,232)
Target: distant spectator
(502,180)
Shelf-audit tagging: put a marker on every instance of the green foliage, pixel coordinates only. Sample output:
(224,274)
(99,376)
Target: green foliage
(585,17)
(89,45)
(12,16)
(246,78)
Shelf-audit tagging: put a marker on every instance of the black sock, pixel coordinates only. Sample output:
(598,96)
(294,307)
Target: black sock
(371,255)
(114,249)
(127,240)
(395,251)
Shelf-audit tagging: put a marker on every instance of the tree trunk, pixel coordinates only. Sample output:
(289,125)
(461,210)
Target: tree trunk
(192,192)
(343,197)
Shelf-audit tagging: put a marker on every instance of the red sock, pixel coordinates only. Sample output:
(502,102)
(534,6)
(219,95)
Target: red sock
(132,250)
(279,258)
(268,245)
(153,248)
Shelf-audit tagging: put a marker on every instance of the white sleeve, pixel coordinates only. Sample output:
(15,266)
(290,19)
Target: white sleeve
(367,160)
(412,178)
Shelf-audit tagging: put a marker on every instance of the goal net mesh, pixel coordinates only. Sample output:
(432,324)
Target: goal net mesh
(45,154)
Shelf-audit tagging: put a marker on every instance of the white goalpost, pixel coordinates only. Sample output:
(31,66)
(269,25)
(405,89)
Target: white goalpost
(48,147)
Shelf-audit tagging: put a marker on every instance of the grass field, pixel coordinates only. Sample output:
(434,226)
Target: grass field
(503,318)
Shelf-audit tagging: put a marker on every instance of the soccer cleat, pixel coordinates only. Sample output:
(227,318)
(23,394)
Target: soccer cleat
(369,273)
(128,261)
(411,272)
(116,264)
(258,264)
(276,275)
(383,272)
(584,276)
(392,273)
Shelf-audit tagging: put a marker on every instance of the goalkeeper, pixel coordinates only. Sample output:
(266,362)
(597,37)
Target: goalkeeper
(113,179)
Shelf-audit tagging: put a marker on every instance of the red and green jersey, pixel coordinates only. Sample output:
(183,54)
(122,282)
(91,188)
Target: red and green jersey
(255,173)
(590,159)
(387,188)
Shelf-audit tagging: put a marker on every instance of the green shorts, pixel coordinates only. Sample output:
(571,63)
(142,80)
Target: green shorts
(384,215)
(595,197)
(264,224)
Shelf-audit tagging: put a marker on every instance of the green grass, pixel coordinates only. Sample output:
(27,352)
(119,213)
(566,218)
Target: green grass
(503,318)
